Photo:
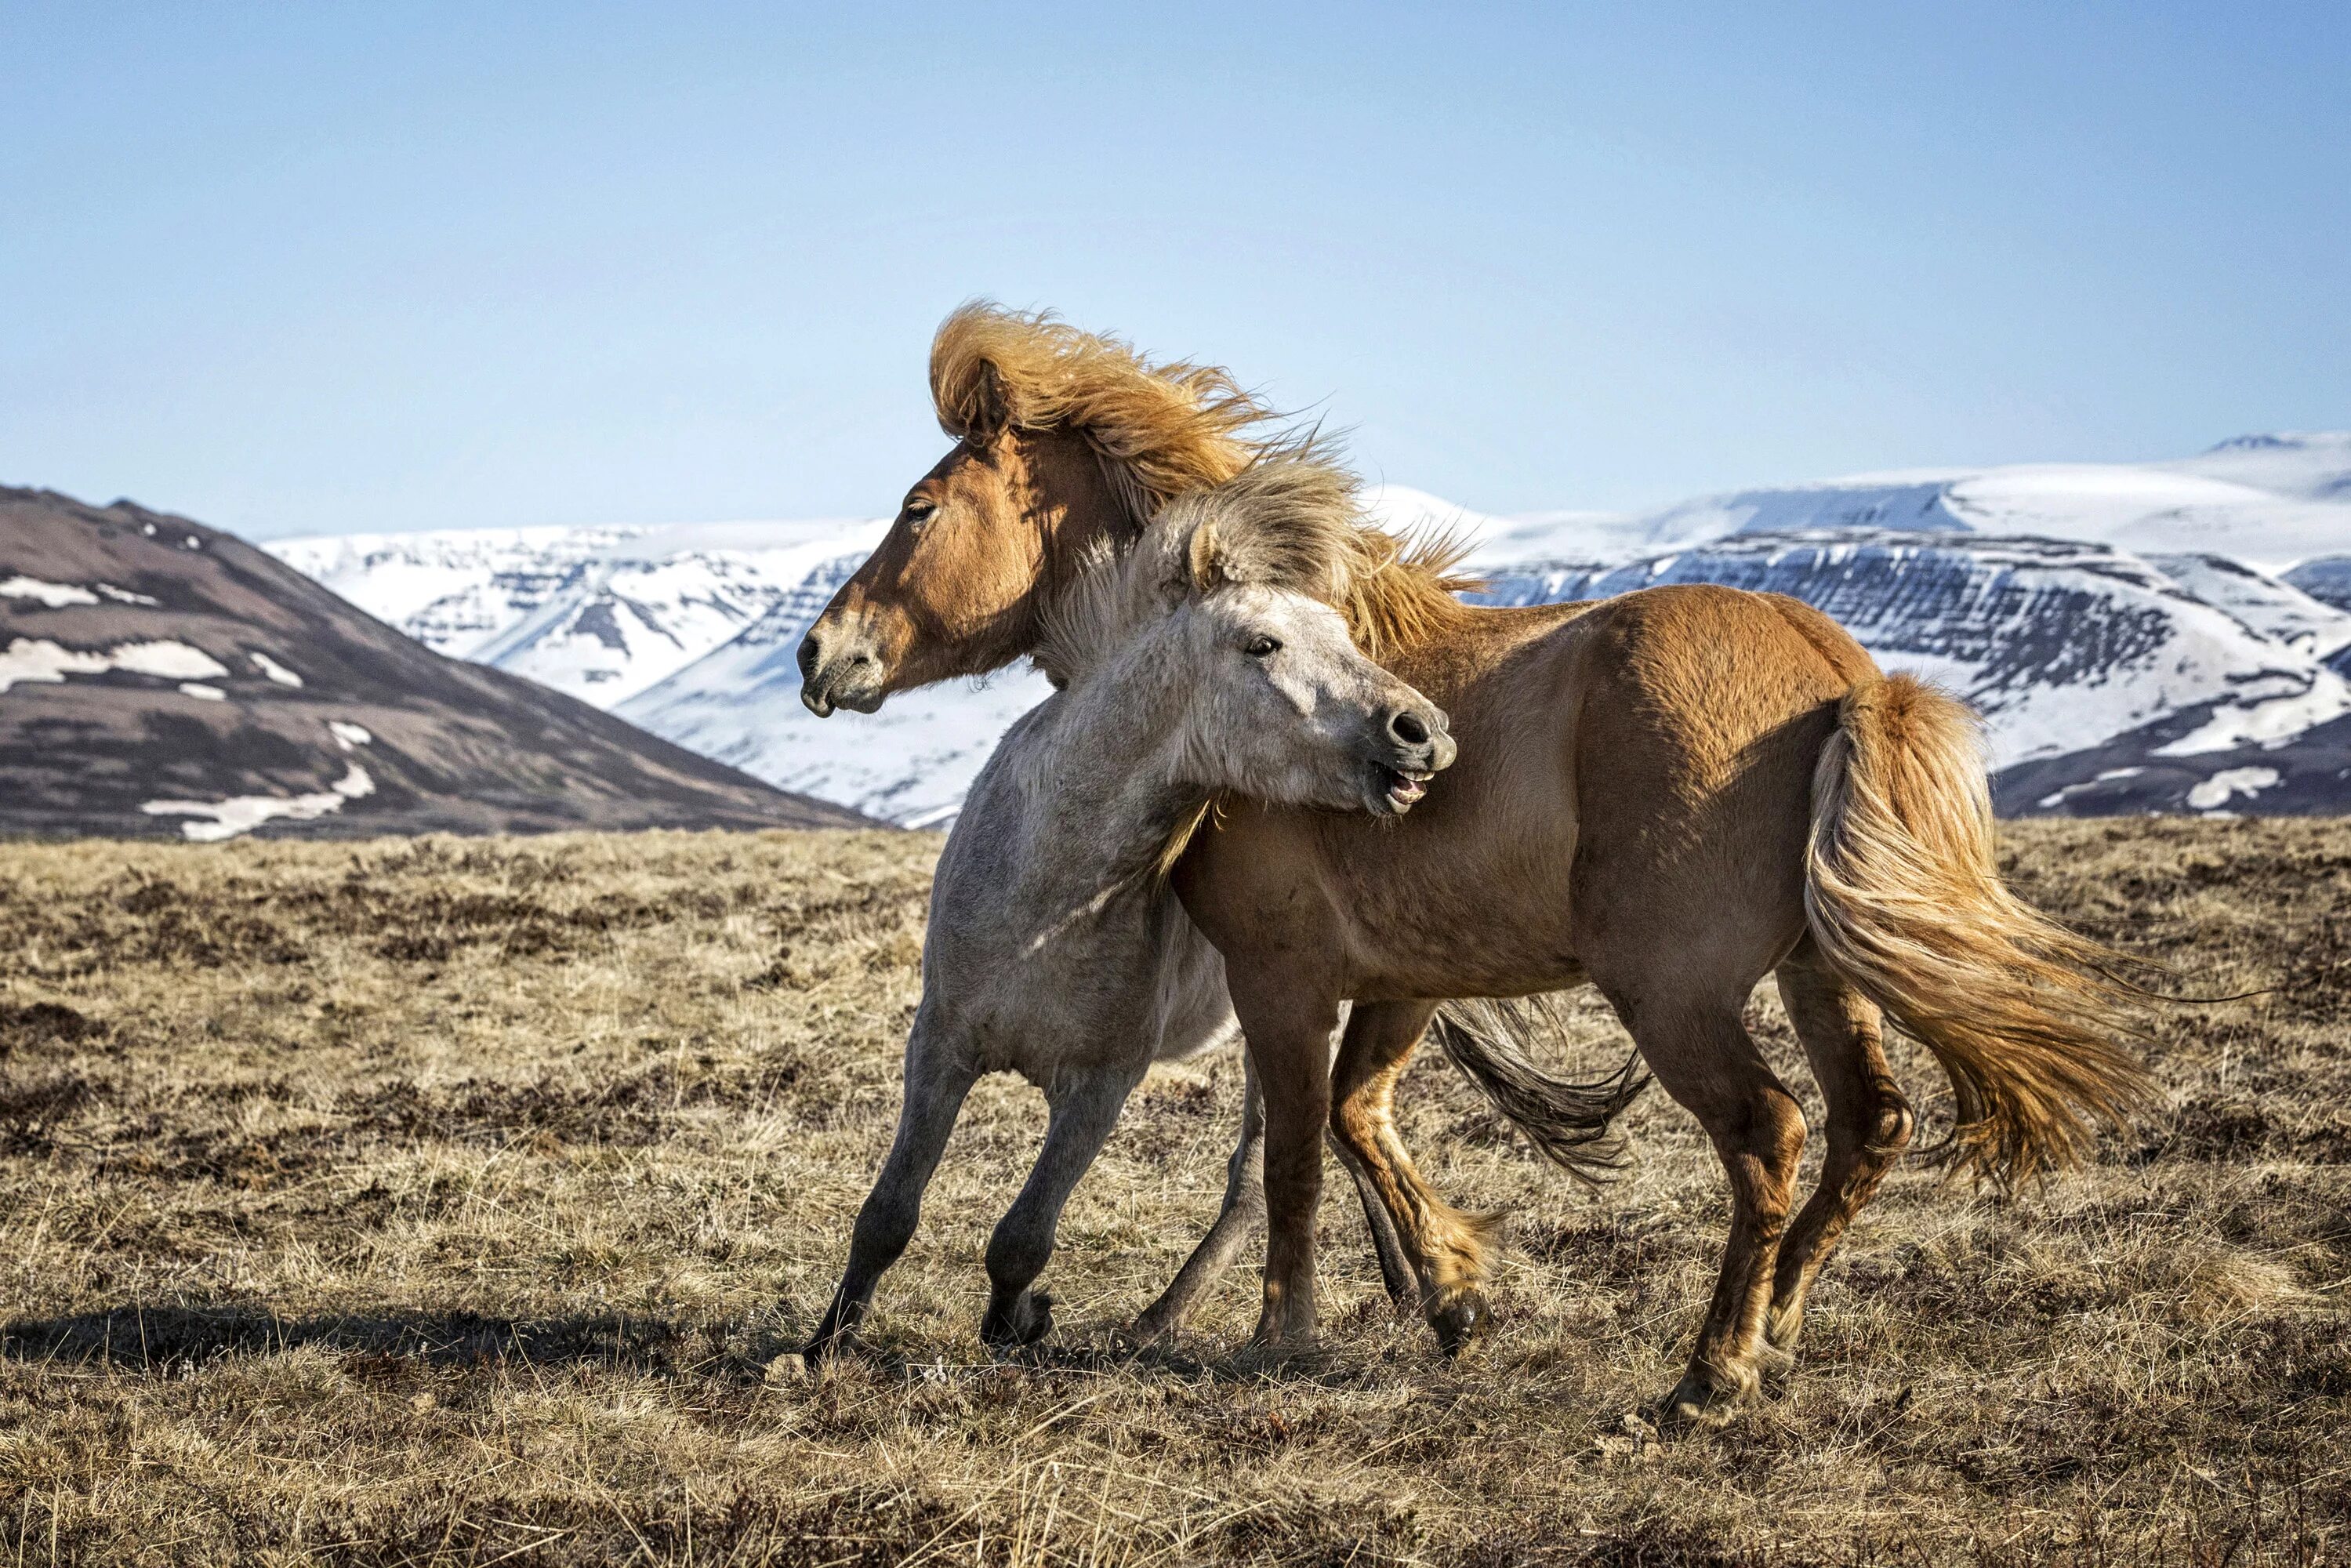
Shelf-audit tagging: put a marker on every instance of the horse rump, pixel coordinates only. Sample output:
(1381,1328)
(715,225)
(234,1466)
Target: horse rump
(1904,897)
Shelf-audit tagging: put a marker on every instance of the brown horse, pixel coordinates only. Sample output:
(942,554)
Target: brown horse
(1670,795)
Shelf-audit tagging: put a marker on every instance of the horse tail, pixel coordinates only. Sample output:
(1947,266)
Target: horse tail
(1904,897)
(1571,1123)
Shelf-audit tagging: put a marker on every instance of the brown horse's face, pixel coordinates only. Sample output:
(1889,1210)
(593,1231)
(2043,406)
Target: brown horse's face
(955,586)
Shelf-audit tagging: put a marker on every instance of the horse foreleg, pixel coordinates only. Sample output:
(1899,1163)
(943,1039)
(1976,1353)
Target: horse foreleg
(936,1083)
(1084,1112)
(1289,1033)
(1445,1248)
(1396,1272)
(1244,1206)
(1869,1127)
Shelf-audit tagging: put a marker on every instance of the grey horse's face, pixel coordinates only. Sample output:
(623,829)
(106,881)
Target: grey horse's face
(1286,709)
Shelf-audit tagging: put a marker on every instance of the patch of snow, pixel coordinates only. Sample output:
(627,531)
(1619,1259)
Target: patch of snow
(243,813)
(56,595)
(124,596)
(38,659)
(28,659)
(2246,781)
(210,693)
(2269,723)
(273,669)
(169,660)
(2108,777)
(348,735)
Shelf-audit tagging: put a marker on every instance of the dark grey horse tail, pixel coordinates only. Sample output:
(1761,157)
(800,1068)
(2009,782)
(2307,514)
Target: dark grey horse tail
(1571,1123)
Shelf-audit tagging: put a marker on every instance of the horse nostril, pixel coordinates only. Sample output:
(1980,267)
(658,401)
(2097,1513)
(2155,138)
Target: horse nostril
(1407,727)
(808,653)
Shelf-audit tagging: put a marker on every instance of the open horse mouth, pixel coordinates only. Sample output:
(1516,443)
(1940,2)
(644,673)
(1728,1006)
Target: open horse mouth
(1400,788)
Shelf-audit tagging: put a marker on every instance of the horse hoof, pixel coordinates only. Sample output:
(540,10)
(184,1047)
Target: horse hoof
(1029,1319)
(829,1347)
(1704,1399)
(1462,1322)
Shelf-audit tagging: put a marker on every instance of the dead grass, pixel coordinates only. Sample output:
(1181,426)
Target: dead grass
(456,1201)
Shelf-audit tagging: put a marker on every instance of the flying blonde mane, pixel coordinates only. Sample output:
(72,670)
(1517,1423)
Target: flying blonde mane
(1159,429)
(1291,521)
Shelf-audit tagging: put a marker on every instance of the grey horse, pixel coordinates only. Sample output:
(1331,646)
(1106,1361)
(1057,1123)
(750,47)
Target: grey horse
(1193,665)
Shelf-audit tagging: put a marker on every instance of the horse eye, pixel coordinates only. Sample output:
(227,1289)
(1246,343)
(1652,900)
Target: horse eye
(1264,647)
(920,512)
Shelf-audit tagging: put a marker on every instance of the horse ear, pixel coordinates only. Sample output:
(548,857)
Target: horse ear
(1204,556)
(987,413)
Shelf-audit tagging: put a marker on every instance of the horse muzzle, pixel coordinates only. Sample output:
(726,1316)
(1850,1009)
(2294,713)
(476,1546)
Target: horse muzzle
(1414,748)
(838,668)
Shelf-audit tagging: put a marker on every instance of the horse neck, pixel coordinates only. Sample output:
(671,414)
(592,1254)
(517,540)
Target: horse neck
(1103,782)
(1068,501)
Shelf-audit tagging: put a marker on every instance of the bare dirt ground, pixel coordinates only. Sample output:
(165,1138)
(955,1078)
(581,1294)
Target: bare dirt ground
(459,1201)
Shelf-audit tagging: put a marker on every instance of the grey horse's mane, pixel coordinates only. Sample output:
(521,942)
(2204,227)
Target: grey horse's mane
(1289,522)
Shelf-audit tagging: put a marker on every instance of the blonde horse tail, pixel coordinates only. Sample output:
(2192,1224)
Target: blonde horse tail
(1904,897)
(1571,1123)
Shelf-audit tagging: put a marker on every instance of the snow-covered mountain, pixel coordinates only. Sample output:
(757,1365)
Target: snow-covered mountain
(598,614)
(2169,635)
(2063,646)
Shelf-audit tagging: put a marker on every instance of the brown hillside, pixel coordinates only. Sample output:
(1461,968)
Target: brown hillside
(172,650)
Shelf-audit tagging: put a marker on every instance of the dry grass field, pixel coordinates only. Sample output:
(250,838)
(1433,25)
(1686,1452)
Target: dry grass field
(459,1201)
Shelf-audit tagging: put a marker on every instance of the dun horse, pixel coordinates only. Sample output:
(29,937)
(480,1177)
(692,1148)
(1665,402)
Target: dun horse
(1669,795)
(1201,662)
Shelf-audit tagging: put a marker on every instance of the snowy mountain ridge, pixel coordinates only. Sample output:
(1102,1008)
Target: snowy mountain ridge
(2147,614)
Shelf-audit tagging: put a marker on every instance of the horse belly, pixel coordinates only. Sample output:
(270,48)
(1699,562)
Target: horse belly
(1472,909)
(1192,1008)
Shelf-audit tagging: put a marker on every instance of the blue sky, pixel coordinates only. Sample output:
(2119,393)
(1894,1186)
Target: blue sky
(306,268)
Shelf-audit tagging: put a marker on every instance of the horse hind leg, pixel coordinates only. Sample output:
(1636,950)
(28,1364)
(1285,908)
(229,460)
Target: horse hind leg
(1869,1125)
(1701,1052)
(1085,1110)
(1243,1207)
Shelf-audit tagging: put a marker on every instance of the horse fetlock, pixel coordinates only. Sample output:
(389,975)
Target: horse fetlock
(830,1344)
(1784,1325)
(1022,1320)
(1158,1321)
(1287,1320)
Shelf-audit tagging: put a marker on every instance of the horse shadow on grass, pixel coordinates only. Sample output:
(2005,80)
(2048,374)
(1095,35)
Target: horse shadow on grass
(173,1341)
(167,1340)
